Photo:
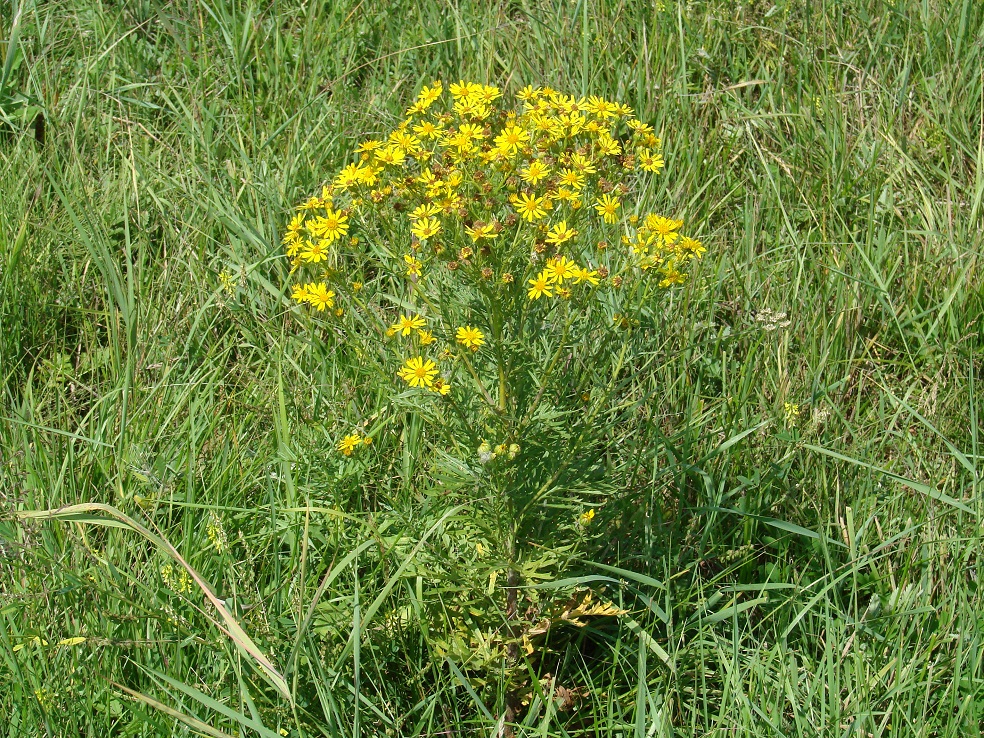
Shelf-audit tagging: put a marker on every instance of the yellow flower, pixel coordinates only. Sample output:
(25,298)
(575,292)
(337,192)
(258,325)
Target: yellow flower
(481,230)
(406,325)
(530,207)
(348,444)
(601,107)
(486,94)
(536,171)
(429,95)
(560,233)
(369,145)
(331,227)
(583,274)
(650,161)
(692,246)
(461,89)
(511,138)
(561,268)
(441,386)
(299,293)
(391,155)
(424,211)
(294,228)
(671,276)
(418,372)
(425,228)
(572,178)
(320,297)
(586,517)
(313,253)
(414,265)
(312,203)
(426,337)
(428,129)
(607,207)
(405,140)
(583,163)
(470,337)
(540,286)
(608,146)
(356,286)
(529,93)
(472,131)
(665,228)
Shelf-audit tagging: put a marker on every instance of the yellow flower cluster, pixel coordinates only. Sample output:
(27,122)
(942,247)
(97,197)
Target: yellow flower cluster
(352,441)
(516,203)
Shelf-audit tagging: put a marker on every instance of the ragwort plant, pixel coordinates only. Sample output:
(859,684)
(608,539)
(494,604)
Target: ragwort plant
(492,265)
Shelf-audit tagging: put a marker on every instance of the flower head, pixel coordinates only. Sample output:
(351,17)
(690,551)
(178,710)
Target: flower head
(406,325)
(470,338)
(349,443)
(418,372)
(560,233)
(539,286)
(530,207)
(607,207)
(424,228)
(561,268)
(320,297)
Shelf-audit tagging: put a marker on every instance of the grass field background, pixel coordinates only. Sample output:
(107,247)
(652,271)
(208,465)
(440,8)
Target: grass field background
(801,552)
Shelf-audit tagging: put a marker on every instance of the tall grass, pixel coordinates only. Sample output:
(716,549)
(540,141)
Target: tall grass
(800,554)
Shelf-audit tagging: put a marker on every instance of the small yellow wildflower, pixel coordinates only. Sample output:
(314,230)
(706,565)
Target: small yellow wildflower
(672,276)
(424,211)
(572,178)
(561,268)
(540,286)
(391,155)
(418,372)
(650,161)
(426,227)
(426,337)
(470,337)
(665,228)
(313,252)
(607,207)
(349,443)
(406,325)
(511,139)
(320,297)
(692,247)
(294,228)
(530,207)
(299,293)
(370,145)
(480,230)
(331,227)
(536,171)
(583,274)
(428,129)
(560,233)
(414,265)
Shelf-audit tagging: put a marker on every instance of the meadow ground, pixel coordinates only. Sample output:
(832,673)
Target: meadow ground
(799,553)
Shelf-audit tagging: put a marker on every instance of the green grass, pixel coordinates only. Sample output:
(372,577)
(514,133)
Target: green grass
(810,575)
